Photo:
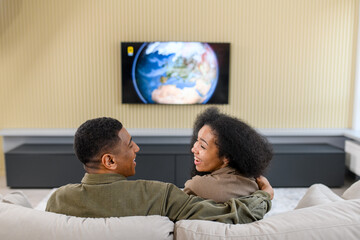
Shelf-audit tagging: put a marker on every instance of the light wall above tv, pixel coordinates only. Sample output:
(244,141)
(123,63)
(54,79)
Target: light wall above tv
(292,62)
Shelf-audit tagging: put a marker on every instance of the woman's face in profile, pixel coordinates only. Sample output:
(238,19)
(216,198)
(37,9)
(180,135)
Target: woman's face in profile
(206,152)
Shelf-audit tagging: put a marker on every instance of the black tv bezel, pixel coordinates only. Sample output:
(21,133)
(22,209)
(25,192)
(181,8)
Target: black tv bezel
(221,92)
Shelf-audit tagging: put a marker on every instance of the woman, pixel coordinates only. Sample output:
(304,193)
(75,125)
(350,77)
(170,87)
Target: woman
(228,157)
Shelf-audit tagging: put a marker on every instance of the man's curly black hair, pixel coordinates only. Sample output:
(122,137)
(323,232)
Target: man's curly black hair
(248,152)
(96,136)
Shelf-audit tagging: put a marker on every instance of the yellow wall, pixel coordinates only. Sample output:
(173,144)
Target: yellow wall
(292,61)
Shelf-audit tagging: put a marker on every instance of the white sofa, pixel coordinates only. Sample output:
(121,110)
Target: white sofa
(320,214)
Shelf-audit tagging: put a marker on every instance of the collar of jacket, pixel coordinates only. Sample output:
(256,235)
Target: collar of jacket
(101,178)
(225,170)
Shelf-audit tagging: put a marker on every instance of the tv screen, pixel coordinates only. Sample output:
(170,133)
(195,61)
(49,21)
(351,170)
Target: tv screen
(175,72)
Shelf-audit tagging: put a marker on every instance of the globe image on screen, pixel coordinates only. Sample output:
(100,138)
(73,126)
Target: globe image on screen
(175,72)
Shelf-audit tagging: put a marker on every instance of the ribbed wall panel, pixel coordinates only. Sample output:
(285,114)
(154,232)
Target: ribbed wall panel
(292,62)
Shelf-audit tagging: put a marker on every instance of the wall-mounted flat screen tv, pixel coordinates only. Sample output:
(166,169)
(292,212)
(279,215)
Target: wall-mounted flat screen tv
(175,72)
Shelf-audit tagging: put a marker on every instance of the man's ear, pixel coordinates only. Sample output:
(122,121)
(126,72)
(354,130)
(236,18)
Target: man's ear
(108,162)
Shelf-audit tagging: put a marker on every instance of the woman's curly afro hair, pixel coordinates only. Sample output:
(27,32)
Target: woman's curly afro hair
(247,151)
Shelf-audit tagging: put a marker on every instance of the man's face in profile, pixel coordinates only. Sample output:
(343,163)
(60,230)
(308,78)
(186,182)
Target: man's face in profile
(125,154)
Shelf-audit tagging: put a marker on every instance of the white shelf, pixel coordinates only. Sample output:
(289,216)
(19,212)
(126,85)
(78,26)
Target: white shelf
(69,132)
(15,137)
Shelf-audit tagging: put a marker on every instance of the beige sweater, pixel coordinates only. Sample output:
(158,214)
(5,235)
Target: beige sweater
(221,185)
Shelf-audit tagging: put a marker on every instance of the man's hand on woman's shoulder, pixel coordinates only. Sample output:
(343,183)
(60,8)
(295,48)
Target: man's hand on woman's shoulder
(264,185)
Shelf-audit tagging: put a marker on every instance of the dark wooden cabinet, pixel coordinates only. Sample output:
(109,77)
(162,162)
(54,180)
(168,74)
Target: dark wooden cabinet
(42,166)
(301,165)
(164,162)
(53,165)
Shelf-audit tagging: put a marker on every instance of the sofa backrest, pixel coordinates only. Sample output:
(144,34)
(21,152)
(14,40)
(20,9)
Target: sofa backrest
(321,214)
(18,222)
(336,220)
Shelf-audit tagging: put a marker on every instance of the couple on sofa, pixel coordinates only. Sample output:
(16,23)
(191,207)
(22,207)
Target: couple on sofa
(229,159)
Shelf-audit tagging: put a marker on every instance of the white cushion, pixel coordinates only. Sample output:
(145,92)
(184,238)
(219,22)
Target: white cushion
(23,223)
(318,194)
(17,198)
(336,220)
(353,192)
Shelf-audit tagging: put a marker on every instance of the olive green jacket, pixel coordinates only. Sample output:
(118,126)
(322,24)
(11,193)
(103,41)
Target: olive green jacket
(111,195)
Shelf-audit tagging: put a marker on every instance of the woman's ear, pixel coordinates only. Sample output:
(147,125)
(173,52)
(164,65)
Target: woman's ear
(226,162)
(108,162)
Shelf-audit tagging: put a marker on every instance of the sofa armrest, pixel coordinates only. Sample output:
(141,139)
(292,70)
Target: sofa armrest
(318,194)
(353,192)
(17,198)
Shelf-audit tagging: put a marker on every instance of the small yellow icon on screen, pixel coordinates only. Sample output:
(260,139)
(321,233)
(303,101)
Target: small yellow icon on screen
(130,51)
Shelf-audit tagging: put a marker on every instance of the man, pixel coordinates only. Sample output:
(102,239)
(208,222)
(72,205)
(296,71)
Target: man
(108,153)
